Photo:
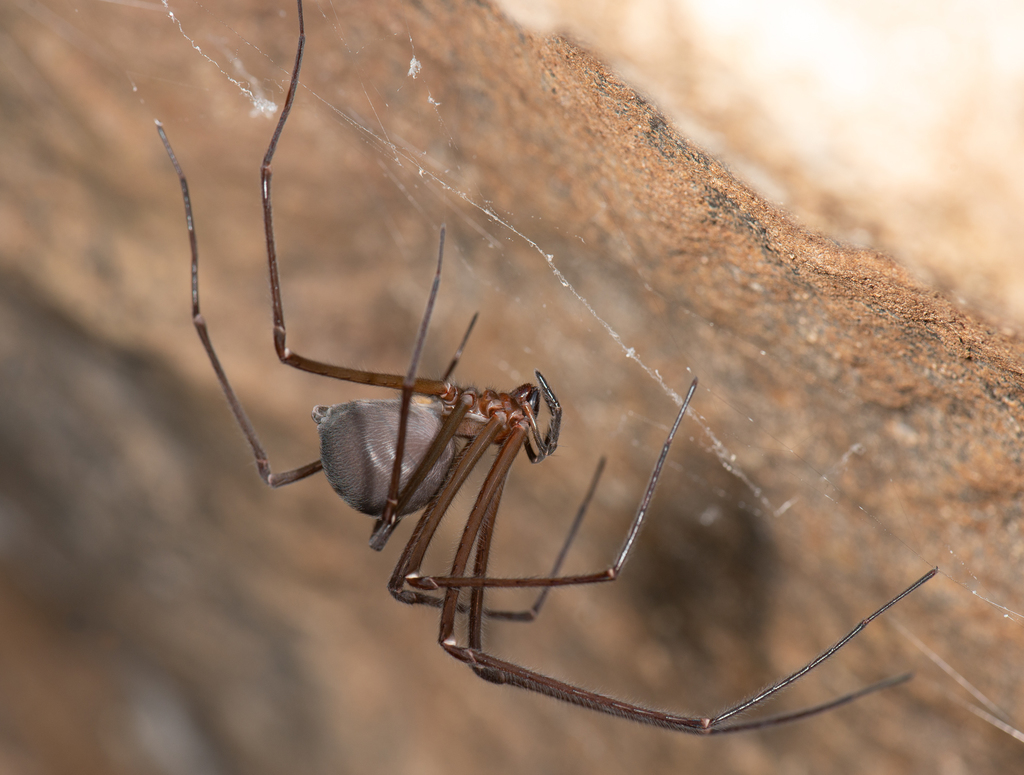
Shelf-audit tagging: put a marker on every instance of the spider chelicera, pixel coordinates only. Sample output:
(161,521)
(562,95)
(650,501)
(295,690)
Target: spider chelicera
(440,436)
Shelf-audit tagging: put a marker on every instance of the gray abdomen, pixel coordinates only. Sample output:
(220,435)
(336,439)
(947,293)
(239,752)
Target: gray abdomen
(357,449)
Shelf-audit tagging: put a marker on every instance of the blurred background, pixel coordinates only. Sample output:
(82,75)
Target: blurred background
(162,611)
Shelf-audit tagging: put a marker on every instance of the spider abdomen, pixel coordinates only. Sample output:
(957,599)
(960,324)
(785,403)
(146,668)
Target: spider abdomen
(357,449)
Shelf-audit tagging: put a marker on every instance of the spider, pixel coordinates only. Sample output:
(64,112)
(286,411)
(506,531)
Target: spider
(391,457)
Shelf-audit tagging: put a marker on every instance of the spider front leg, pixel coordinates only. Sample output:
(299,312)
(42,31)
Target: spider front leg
(423,534)
(610,573)
(477,533)
(415,550)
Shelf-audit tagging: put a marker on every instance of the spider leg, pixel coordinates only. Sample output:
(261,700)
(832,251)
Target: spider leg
(530,614)
(477,532)
(383,528)
(609,574)
(423,534)
(483,554)
(500,671)
(422,386)
(416,548)
(462,346)
(779,685)
(262,463)
(483,549)
(389,519)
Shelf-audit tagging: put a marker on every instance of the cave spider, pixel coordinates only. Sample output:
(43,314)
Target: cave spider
(439,438)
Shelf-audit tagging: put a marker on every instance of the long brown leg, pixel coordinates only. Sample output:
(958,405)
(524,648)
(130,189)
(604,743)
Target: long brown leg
(609,574)
(423,386)
(476,608)
(483,554)
(501,671)
(408,384)
(448,429)
(423,533)
(262,464)
(416,548)
(478,532)
(490,491)
(534,611)
(462,346)
(389,519)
